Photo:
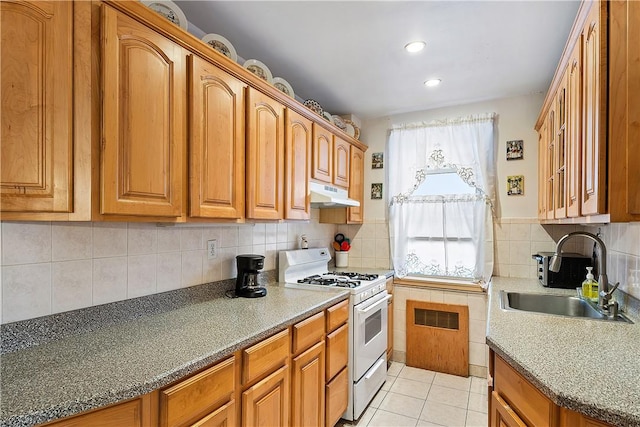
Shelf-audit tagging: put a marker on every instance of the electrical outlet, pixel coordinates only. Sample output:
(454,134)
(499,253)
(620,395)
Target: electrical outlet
(212,249)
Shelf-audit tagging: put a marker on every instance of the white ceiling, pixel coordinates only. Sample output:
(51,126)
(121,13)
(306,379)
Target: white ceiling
(349,56)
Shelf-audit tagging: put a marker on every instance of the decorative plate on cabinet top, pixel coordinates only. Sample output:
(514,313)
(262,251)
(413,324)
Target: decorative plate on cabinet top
(339,122)
(328,117)
(169,10)
(259,69)
(314,106)
(350,130)
(283,86)
(356,129)
(221,44)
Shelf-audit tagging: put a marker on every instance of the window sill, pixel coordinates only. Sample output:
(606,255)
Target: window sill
(447,284)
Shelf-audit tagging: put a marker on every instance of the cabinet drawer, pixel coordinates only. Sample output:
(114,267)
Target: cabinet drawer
(337,315)
(265,356)
(308,332)
(197,395)
(337,351)
(223,416)
(525,399)
(336,398)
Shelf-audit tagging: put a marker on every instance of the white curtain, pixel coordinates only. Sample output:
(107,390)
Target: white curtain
(442,235)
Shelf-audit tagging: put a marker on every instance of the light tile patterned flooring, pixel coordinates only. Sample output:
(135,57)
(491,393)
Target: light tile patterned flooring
(417,397)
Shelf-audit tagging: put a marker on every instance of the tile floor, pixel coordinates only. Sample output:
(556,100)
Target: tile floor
(417,397)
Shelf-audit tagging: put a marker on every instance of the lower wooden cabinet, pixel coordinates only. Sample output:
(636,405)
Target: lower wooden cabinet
(267,402)
(336,398)
(502,415)
(337,381)
(138,412)
(225,416)
(389,285)
(307,394)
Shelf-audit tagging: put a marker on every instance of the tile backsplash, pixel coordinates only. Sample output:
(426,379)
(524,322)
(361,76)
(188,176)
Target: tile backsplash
(369,244)
(51,267)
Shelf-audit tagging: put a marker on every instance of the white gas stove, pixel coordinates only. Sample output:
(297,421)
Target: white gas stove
(368,304)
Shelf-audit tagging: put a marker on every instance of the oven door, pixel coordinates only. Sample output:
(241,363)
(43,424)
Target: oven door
(369,332)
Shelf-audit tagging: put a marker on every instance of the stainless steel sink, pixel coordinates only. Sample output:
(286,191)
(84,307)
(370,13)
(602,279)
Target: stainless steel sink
(559,305)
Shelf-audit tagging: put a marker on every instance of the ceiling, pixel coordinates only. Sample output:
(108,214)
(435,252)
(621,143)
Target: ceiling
(349,56)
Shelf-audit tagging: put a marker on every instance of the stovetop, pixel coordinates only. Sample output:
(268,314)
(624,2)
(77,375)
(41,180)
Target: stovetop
(339,279)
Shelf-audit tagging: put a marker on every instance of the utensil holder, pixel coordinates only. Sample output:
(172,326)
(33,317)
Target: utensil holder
(342,259)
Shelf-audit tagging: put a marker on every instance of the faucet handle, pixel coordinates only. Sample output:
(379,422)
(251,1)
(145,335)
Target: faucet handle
(607,295)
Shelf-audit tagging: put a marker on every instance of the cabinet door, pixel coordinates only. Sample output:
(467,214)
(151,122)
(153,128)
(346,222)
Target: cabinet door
(134,413)
(560,177)
(502,415)
(267,402)
(341,157)
(216,150)
(36,111)
(144,85)
(574,130)
(336,398)
(549,167)
(356,186)
(594,91)
(337,351)
(225,416)
(542,178)
(264,157)
(307,388)
(390,330)
(322,169)
(297,166)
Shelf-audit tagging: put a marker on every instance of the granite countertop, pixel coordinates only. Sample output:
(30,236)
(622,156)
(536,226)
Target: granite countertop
(83,371)
(589,366)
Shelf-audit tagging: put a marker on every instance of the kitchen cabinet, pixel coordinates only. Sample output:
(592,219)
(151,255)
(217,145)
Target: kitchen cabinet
(598,73)
(502,415)
(264,157)
(144,125)
(390,321)
(560,142)
(216,142)
(337,383)
(542,174)
(351,215)
(299,134)
(307,388)
(341,158)
(37,147)
(267,402)
(322,154)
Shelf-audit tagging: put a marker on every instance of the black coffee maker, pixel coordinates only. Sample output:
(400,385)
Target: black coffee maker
(247,281)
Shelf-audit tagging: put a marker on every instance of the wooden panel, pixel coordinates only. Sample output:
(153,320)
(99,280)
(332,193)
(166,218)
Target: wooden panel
(390,330)
(322,169)
(308,332)
(594,126)
(197,395)
(134,413)
(436,348)
(216,150)
(36,172)
(264,157)
(574,131)
(549,168)
(265,356)
(143,124)
(336,398)
(569,418)
(225,416)
(337,315)
(502,415)
(267,402)
(297,203)
(560,167)
(307,388)
(525,399)
(633,111)
(356,186)
(341,158)
(542,178)
(337,351)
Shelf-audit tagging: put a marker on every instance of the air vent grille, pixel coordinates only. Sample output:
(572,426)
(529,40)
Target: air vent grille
(436,318)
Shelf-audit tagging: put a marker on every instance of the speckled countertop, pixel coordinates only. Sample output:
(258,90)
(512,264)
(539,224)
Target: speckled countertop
(589,366)
(83,371)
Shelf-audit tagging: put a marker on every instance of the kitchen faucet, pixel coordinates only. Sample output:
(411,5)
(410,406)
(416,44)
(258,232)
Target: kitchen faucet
(604,294)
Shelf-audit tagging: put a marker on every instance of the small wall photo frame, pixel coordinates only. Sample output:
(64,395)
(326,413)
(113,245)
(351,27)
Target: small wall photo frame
(515,185)
(376,191)
(515,150)
(377,160)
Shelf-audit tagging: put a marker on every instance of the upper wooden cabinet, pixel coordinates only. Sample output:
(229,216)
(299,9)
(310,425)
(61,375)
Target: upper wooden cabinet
(355,215)
(597,78)
(143,131)
(37,106)
(297,166)
(216,146)
(322,154)
(341,158)
(264,157)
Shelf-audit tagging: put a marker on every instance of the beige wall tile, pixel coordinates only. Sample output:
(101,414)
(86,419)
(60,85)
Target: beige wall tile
(229,237)
(259,234)
(228,268)
(26,291)
(477,331)
(271,233)
(191,268)
(109,239)
(502,252)
(282,232)
(142,239)
(169,239)
(71,283)
(270,256)
(71,241)
(169,271)
(477,306)
(382,248)
(141,275)
(109,280)
(26,242)
(501,231)
(191,239)
(477,354)
(520,232)
(520,252)
(456,298)
(211,270)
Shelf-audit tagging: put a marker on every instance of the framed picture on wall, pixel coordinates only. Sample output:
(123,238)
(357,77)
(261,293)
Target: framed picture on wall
(515,150)
(515,185)
(376,190)
(377,160)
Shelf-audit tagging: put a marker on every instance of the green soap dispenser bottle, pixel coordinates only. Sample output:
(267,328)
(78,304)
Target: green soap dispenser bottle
(590,286)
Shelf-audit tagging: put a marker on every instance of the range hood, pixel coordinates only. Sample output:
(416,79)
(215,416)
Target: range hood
(327,196)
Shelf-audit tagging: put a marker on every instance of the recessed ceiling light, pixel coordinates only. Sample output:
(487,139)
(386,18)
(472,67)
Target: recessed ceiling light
(416,46)
(432,82)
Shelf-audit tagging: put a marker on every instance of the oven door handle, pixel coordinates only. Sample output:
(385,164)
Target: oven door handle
(374,369)
(372,306)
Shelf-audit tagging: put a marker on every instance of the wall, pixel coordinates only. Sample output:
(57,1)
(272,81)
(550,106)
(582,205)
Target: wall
(54,267)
